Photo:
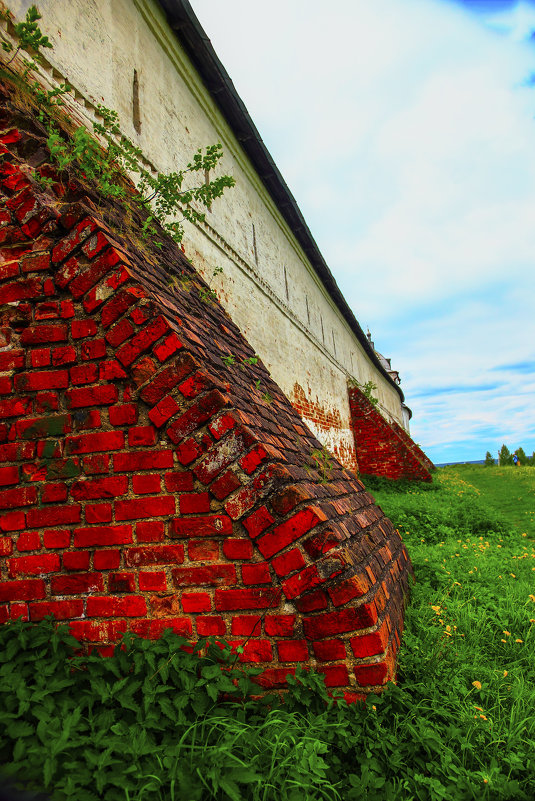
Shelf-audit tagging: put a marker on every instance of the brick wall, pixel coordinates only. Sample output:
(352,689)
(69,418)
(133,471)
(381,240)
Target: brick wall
(383,447)
(145,482)
(324,421)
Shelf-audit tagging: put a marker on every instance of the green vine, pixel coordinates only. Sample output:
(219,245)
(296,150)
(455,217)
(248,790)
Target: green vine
(27,32)
(367,390)
(106,157)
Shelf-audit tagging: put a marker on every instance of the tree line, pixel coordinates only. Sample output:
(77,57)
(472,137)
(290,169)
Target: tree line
(505,457)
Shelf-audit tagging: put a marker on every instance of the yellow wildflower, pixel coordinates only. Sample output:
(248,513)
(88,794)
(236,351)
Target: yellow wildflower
(532,597)
(505,673)
(508,633)
(483,717)
(476,684)
(517,640)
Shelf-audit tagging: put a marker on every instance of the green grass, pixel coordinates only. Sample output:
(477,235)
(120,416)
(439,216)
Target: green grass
(509,491)
(150,724)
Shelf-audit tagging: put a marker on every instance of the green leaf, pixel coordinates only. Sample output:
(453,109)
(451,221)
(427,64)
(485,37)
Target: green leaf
(20,728)
(48,770)
(230,788)
(19,750)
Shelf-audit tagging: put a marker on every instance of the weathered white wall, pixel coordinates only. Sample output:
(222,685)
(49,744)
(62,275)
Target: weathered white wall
(274,296)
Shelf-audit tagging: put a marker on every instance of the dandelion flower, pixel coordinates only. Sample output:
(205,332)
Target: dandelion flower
(483,717)
(476,684)
(513,575)
(508,633)
(518,640)
(532,597)
(502,640)
(505,673)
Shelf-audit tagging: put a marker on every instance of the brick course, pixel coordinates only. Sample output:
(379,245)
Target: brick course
(159,489)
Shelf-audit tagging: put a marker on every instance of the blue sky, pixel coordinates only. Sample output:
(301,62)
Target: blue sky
(406,131)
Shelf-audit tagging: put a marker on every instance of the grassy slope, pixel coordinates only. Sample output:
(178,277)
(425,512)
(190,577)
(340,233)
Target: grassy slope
(508,490)
(471,620)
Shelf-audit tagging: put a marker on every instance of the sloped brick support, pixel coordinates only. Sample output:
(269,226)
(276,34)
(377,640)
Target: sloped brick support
(384,448)
(145,483)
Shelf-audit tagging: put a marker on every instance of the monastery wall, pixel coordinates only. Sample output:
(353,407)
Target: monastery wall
(123,54)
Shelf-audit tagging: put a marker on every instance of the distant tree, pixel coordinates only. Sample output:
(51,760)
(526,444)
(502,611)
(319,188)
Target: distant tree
(505,456)
(489,459)
(522,458)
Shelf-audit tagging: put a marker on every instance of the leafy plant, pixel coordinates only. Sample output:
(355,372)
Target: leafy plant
(206,294)
(322,462)
(367,389)
(241,363)
(106,157)
(28,33)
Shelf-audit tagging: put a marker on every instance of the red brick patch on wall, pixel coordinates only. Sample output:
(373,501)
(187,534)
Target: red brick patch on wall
(144,481)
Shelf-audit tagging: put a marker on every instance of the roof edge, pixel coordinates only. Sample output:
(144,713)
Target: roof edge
(193,38)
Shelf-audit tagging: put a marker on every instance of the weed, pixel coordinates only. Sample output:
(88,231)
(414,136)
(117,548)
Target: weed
(105,157)
(27,32)
(241,363)
(207,295)
(367,390)
(321,462)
